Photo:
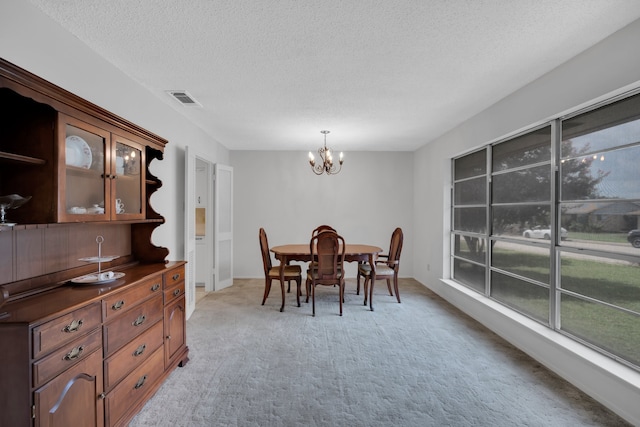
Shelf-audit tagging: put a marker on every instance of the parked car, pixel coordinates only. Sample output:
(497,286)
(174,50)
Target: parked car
(634,238)
(543,232)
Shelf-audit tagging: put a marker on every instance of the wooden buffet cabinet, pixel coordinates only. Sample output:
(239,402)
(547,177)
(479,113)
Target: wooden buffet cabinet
(83,354)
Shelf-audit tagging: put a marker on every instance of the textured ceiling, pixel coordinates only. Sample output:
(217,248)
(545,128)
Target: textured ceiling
(379,74)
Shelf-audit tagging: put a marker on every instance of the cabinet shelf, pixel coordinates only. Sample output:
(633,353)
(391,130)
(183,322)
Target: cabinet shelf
(21,159)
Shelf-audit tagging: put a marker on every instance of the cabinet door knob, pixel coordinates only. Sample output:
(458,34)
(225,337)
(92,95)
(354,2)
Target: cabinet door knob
(74,326)
(118,305)
(102,396)
(155,287)
(176,292)
(176,276)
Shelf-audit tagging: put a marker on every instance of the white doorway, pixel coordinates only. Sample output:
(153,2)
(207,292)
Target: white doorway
(208,226)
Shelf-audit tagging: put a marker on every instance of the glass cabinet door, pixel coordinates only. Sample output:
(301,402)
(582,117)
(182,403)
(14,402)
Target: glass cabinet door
(82,184)
(128,197)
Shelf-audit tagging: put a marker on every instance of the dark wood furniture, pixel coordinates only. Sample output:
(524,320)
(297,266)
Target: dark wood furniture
(291,272)
(327,253)
(301,252)
(386,268)
(73,354)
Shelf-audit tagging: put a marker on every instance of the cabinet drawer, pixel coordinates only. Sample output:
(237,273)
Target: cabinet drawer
(62,330)
(131,323)
(173,277)
(67,356)
(174,293)
(125,300)
(132,355)
(133,388)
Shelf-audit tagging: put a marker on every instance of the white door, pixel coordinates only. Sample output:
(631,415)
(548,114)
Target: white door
(223,227)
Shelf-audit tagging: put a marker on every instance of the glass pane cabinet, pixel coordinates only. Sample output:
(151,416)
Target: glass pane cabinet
(103,174)
(128,175)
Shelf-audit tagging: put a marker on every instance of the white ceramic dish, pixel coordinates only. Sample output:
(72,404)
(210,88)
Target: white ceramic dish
(77,152)
(94,279)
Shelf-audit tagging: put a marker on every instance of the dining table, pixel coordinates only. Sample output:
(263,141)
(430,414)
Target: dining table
(302,252)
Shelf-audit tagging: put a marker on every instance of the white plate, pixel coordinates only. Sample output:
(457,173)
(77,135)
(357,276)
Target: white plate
(77,152)
(105,258)
(93,279)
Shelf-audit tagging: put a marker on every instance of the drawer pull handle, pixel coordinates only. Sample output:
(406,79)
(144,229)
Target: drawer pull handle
(74,326)
(176,276)
(74,354)
(140,382)
(155,287)
(139,350)
(176,292)
(118,305)
(140,320)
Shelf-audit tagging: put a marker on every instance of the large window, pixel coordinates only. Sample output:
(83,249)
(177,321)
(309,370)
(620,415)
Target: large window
(542,223)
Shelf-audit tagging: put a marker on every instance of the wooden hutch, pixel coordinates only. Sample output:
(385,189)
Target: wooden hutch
(74,352)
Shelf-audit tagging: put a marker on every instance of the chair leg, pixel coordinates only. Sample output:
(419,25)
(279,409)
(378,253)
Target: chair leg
(308,287)
(358,283)
(267,289)
(298,291)
(288,286)
(313,300)
(371,294)
(366,287)
(282,288)
(395,287)
(341,296)
(389,287)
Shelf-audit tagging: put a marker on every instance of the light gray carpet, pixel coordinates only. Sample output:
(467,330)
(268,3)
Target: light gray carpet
(418,363)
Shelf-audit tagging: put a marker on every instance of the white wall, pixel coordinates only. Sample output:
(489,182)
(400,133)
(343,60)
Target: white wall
(365,202)
(611,67)
(29,39)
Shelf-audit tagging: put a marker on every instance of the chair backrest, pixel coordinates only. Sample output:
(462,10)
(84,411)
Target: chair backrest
(327,249)
(264,248)
(395,248)
(322,228)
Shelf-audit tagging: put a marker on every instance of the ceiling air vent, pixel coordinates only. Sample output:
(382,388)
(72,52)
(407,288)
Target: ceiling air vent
(184,98)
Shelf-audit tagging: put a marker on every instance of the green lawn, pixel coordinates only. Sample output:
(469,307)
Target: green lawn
(614,330)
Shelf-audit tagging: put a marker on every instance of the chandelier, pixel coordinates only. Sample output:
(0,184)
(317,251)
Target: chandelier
(326,165)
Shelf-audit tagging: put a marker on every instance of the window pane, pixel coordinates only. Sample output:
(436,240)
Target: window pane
(613,281)
(606,127)
(534,147)
(612,330)
(470,219)
(469,274)
(523,296)
(528,261)
(514,220)
(473,164)
(472,248)
(472,192)
(601,225)
(528,185)
(610,175)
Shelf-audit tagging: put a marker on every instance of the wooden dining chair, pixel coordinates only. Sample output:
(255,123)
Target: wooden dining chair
(271,273)
(327,251)
(387,267)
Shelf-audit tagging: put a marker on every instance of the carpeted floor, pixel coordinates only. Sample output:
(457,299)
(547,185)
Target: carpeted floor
(418,363)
